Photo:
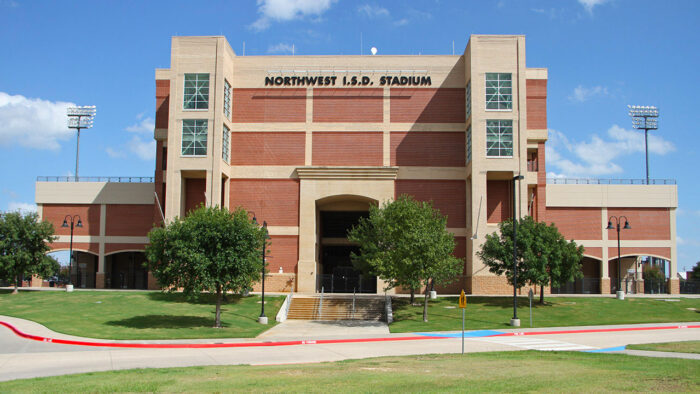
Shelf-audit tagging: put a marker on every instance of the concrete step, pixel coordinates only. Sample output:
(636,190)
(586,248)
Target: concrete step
(337,307)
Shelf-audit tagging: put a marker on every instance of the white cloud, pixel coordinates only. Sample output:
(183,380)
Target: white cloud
(115,154)
(372,11)
(679,240)
(582,93)
(590,4)
(146,125)
(33,123)
(401,22)
(23,207)
(280,48)
(286,10)
(598,155)
(143,149)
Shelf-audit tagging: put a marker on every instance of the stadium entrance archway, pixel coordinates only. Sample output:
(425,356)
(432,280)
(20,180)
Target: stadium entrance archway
(336,273)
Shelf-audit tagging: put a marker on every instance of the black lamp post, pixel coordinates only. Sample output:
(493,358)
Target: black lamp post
(515,321)
(263,319)
(73,222)
(626,227)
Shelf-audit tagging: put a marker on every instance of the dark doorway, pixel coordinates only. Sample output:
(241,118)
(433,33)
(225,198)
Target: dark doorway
(339,276)
(126,271)
(337,272)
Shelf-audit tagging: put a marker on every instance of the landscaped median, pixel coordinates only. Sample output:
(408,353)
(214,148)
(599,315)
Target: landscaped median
(481,372)
(495,312)
(139,315)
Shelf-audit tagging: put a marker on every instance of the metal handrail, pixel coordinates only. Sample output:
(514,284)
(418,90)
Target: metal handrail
(353,303)
(599,181)
(320,306)
(117,179)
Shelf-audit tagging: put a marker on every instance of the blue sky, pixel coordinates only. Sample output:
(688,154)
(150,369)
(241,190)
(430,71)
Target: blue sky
(601,56)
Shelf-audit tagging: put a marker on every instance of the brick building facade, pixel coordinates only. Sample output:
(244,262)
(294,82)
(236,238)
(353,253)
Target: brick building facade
(307,143)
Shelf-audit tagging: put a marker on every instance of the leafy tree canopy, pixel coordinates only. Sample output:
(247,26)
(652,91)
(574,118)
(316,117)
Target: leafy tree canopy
(696,272)
(406,243)
(544,256)
(211,249)
(23,246)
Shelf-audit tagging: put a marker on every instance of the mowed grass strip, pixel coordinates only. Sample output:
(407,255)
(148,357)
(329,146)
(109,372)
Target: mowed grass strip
(140,315)
(496,312)
(675,347)
(521,371)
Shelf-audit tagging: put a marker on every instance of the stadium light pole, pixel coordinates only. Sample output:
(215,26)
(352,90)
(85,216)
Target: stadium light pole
(80,117)
(644,118)
(620,293)
(73,223)
(515,322)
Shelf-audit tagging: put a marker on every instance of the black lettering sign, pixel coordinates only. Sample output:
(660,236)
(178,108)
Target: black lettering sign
(353,80)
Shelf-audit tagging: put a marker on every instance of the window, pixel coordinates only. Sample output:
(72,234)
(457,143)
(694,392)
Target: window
(499,138)
(227,100)
(196,91)
(194,137)
(469,99)
(499,91)
(469,144)
(225,144)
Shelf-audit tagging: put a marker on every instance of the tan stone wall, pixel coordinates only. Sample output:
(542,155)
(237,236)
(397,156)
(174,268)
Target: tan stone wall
(499,285)
(275,282)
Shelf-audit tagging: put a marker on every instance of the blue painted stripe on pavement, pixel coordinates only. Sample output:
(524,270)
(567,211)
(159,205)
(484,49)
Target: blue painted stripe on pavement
(468,334)
(608,349)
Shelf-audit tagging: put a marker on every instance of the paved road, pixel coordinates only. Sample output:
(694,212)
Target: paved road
(22,358)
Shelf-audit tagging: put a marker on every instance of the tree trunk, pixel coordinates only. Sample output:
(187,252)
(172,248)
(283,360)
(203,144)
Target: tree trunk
(217,324)
(425,302)
(542,294)
(15,291)
(413,295)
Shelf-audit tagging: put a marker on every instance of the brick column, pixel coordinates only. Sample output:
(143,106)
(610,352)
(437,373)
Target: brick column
(604,285)
(674,286)
(100,280)
(152,282)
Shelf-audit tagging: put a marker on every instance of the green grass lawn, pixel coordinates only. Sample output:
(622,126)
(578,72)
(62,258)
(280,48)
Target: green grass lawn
(139,315)
(496,312)
(676,347)
(526,371)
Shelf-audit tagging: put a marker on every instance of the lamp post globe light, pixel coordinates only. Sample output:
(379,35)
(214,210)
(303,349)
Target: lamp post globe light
(263,319)
(644,117)
(515,322)
(74,222)
(80,118)
(620,293)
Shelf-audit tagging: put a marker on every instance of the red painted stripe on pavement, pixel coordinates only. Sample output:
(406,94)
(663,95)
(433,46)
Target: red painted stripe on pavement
(595,330)
(203,345)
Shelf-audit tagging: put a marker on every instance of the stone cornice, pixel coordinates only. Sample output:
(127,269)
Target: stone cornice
(365,173)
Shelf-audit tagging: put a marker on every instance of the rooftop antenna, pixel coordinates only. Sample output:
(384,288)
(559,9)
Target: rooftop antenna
(453,47)
(243,48)
(292,49)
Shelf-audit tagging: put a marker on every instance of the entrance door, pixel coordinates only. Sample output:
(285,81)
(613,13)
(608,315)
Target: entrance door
(337,272)
(339,275)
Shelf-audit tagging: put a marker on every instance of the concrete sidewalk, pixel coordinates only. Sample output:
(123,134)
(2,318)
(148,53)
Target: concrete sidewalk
(22,358)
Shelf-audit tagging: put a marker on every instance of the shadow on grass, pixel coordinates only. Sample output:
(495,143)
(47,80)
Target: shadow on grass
(202,299)
(163,321)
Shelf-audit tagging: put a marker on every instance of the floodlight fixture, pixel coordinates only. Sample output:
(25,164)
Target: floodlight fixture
(80,117)
(644,117)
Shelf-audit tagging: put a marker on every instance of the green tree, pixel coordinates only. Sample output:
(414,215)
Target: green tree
(544,255)
(696,272)
(211,249)
(406,243)
(23,246)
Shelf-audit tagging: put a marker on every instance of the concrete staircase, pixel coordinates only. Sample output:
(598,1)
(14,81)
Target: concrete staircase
(337,307)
